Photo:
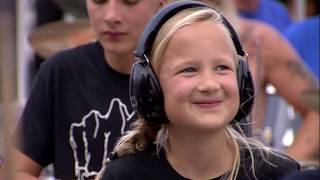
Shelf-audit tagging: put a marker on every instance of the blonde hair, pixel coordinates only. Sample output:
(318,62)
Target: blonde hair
(144,134)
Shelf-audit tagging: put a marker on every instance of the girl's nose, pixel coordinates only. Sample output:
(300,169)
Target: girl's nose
(208,82)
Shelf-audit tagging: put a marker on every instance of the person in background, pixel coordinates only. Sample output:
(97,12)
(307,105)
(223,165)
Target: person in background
(273,61)
(205,76)
(304,35)
(271,12)
(79,103)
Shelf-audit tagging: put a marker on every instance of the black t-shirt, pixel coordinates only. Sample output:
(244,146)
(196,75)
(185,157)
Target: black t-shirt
(77,109)
(148,165)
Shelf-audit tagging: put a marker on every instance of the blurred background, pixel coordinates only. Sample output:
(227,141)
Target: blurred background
(32,31)
(24,45)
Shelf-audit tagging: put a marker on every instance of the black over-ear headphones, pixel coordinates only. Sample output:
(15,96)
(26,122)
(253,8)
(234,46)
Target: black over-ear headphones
(145,92)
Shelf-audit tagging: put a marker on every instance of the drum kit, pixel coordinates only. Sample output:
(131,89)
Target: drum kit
(53,37)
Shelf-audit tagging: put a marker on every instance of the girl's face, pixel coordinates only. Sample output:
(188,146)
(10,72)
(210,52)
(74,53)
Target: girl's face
(118,23)
(198,78)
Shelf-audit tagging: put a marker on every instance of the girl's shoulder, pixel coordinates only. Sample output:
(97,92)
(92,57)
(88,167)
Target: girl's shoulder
(280,164)
(140,165)
(268,165)
(138,160)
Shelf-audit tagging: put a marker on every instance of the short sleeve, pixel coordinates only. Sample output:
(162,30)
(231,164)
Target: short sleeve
(35,127)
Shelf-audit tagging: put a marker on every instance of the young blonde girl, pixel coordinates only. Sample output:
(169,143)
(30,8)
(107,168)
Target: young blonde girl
(196,62)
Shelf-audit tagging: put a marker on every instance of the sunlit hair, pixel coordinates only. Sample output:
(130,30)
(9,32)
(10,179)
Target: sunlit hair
(180,20)
(143,133)
(227,8)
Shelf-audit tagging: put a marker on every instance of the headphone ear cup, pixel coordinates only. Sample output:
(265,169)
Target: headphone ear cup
(145,93)
(246,90)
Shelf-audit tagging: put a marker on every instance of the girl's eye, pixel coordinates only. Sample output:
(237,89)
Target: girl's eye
(222,68)
(131,2)
(188,70)
(99,1)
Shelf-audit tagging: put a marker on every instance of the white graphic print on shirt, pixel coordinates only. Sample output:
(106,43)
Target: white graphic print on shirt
(88,135)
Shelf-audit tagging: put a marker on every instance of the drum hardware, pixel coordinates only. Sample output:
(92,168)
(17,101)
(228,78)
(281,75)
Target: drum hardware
(53,37)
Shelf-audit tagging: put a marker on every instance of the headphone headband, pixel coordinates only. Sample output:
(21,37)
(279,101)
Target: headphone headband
(152,28)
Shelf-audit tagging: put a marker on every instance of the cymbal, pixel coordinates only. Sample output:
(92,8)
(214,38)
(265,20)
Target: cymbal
(53,37)
(311,98)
